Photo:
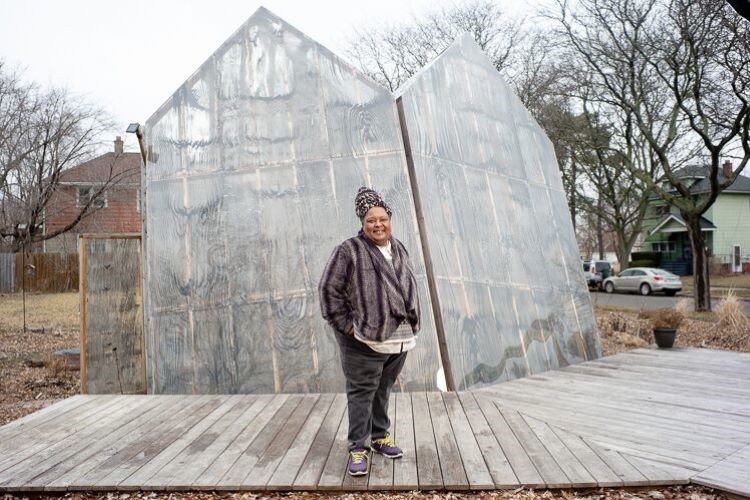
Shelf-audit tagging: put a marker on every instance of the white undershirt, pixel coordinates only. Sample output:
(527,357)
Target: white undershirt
(388,347)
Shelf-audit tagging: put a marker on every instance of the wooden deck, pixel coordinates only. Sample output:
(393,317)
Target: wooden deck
(645,417)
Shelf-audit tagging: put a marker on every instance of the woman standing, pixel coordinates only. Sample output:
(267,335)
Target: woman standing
(368,294)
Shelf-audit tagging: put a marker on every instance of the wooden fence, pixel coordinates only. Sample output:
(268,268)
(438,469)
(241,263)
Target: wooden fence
(44,272)
(7,272)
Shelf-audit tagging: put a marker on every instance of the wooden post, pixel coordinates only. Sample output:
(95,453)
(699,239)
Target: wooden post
(23,282)
(431,281)
(82,295)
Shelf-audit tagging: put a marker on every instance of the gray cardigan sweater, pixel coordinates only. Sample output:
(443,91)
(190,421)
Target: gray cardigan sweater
(359,287)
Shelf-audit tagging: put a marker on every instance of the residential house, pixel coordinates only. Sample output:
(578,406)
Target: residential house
(726,225)
(117,211)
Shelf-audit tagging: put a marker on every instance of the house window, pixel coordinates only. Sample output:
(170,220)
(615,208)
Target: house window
(138,200)
(663,246)
(84,194)
(661,209)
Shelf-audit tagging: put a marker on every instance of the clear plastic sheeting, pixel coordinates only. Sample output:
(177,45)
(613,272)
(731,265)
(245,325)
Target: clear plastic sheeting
(503,252)
(112,326)
(253,167)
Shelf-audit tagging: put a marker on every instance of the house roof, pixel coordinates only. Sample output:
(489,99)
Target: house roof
(126,167)
(701,185)
(688,171)
(740,185)
(678,225)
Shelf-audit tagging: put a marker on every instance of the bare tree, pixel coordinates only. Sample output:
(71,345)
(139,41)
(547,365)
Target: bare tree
(43,133)
(523,54)
(391,55)
(679,71)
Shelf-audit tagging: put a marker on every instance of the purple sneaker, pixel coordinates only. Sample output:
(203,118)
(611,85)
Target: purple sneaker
(386,447)
(359,462)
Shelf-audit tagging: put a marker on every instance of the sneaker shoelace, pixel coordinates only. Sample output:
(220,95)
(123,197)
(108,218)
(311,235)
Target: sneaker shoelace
(358,456)
(386,441)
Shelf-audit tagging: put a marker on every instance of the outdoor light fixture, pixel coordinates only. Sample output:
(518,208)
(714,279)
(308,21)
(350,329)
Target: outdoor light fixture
(135,128)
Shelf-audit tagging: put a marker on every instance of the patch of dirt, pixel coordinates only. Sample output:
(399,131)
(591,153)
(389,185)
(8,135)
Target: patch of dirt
(30,376)
(687,492)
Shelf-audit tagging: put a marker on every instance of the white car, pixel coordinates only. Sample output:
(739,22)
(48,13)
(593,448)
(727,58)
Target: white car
(644,280)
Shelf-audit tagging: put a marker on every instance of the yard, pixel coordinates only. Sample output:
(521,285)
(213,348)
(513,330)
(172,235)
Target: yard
(738,283)
(32,378)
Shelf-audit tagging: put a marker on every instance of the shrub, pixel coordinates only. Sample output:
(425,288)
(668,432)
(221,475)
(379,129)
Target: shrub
(55,365)
(643,263)
(663,318)
(683,307)
(731,312)
(651,256)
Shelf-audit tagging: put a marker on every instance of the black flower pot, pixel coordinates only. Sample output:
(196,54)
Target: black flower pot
(665,337)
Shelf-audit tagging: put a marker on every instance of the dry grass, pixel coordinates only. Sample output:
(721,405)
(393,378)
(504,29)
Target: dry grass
(731,312)
(663,318)
(683,306)
(48,311)
(737,281)
(56,366)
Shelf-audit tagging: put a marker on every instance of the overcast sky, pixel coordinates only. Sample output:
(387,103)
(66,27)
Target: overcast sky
(129,57)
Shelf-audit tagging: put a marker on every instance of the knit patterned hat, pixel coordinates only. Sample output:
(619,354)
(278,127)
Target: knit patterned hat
(366,199)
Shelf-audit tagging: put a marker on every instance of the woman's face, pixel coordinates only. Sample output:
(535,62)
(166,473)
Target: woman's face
(377,225)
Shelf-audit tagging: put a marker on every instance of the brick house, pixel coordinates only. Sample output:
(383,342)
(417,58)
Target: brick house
(117,211)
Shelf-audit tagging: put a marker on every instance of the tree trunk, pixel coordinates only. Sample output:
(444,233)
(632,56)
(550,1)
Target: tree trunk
(600,229)
(701,285)
(573,204)
(623,252)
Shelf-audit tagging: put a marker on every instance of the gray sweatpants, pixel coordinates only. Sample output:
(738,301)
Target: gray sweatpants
(369,378)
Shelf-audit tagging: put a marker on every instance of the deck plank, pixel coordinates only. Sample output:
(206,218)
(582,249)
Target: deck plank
(288,439)
(143,475)
(522,465)
(658,473)
(131,458)
(731,474)
(628,474)
(578,475)
(332,476)
(107,446)
(598,468)
(428,464)
(405,475)
(76,437)
(291,462)
(497,463)
(553,475)
(47,413)
(654,437)
(29,442)
(254,422)
(235,476)
(451,465)
(474,463)
(182,471)
(81,452)
(381,470)
(311,469)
